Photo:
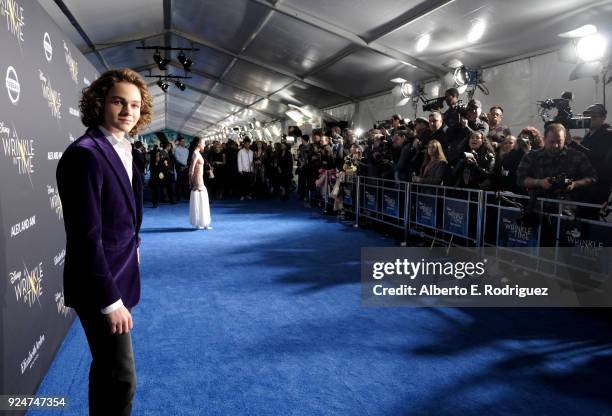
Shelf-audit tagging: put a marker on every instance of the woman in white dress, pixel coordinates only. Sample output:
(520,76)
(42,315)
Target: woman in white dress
(199,210)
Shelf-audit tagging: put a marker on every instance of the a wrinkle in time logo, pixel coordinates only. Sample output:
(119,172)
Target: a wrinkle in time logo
(62,309)
(55,201)
(73,66)
(13,88)
(47,47)
(455,216)
(51,95)
(19,150)
(28,284)
(13,12)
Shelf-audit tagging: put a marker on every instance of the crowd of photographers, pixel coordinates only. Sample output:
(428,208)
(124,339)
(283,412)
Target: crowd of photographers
(466,147)
(457,146)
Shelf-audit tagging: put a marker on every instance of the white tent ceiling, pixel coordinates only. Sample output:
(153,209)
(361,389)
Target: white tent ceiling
(257,56)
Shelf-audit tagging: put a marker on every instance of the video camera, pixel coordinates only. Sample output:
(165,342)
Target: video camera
(564,112)
(433,104)
(383,124)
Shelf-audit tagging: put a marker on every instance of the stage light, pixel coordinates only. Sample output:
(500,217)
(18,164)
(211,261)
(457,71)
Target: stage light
(460,77)
(163,85)
(407,89)
(591,47)
(358,132)
(423,42)
(180,85)
(186,62)
(162,63)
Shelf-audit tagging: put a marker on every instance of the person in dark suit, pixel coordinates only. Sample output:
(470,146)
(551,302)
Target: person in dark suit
(138,153)
(100,187)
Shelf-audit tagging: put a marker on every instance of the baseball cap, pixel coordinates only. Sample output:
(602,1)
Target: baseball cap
(596,109)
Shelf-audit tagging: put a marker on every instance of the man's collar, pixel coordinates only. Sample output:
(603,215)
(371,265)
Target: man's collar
(114,139)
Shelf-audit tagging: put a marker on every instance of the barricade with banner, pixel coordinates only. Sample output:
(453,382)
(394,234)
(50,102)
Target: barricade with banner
(446,214)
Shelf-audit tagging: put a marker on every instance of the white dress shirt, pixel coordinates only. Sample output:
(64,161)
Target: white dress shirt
(124,150)
(181,154)
(245,160)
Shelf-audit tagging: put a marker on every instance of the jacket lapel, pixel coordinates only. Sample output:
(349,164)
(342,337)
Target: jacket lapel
(116,165)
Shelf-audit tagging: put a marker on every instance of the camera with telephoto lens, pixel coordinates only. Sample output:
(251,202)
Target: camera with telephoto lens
(564,116)
(383,124)
(560,182)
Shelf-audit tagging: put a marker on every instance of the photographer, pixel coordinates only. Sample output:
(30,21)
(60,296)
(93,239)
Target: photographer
(378,156)
(476,163)
(509,155)
(534,136)
(452,116)
(470,120)
(497,131)
(436,126)
(406,151)
(598,141)
(555,171)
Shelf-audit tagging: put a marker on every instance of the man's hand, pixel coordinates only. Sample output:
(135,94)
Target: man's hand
(120,321)
(545,183)
(571,186)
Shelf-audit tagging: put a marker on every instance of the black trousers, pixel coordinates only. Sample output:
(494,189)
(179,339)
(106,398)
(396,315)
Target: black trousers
(246,181)
(112,375)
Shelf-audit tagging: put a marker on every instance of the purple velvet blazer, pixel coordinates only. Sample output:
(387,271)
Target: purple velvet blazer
(102,217)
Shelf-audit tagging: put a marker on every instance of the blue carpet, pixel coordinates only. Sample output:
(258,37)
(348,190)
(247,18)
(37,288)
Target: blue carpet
(262,316)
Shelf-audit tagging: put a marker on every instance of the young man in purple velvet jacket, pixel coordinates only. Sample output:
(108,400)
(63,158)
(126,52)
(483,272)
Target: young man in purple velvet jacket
(101,192)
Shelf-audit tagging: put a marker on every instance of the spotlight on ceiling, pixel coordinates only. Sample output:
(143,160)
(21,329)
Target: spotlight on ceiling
(460,76)
(163,85)
(423,42)
(186,62)
(180,85)
(407,89)
(591,47)
(162,63)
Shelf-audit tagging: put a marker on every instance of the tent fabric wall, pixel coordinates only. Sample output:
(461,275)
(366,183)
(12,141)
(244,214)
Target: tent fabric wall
(516,86)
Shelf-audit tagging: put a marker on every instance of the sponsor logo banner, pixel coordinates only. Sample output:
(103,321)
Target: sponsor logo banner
(47,47)
(23,225)
(55,201)
(13,88)
(28,362)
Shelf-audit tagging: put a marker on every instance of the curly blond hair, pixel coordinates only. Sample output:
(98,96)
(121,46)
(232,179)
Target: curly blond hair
(92,100)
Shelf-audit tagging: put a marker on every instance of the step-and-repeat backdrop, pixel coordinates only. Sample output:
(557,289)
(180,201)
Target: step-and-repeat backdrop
(42,76)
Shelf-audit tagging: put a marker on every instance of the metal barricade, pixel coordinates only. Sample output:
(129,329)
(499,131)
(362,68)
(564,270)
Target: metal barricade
(539,238)
(384,201)
(446,214)
(348,193)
